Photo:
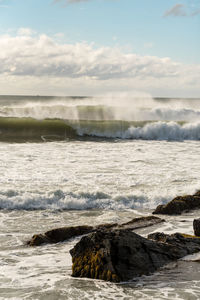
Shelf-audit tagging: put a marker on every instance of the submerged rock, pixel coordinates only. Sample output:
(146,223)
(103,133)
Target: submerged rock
(59,235)
(38,239)
(179,204)
(196,227)
(141,222)
(62,234)
(121,255)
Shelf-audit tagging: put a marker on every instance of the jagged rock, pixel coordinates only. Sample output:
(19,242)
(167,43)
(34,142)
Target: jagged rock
(179,204)
(62,234)
(121,255)
(196,227)
(184,244)
(59,235)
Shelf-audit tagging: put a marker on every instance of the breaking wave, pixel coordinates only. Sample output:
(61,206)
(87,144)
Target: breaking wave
(27,129)
(59,200)
(48,119)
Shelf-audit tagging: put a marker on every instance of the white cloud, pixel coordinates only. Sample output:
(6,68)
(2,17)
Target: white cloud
(176,11)
(180,10)
(41,56)
(24,31)
(34,59)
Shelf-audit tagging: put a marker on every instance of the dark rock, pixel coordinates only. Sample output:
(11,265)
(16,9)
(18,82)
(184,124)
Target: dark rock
(135,223)
(38,239)
(141,222)
(197,194)
(178,205)
(62,234)
(183,244)
(106,226)
(121,255)
(196,227)
(65,233)
(59,235)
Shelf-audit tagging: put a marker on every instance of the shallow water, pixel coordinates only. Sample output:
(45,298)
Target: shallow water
(94,182)
(45,272)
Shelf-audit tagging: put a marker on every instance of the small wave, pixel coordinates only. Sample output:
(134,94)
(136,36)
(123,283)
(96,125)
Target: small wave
(59,200)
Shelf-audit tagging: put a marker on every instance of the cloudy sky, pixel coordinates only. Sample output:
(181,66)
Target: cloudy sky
(89,47)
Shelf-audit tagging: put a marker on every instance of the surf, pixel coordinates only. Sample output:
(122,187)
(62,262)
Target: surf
(44,119)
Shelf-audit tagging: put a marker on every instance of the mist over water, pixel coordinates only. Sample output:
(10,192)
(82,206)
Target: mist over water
(126,116)
(125,107)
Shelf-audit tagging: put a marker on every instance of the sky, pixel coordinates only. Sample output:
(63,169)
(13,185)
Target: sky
(93,47)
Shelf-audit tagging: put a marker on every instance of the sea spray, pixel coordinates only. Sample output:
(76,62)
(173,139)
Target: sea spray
(113,116)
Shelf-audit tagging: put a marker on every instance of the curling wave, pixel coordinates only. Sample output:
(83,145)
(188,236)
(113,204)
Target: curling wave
(28,129)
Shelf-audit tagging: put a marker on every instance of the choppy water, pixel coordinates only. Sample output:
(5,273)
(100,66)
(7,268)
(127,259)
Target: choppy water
(77,181)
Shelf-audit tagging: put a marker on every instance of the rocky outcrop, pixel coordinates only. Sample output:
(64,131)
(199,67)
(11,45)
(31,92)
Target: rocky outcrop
(59,235)
(121,255)
(141,222)
(196,227)
(62,234)
(183,244)
(179,205)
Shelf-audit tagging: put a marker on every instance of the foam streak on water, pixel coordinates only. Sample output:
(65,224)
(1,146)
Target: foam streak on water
(87,175)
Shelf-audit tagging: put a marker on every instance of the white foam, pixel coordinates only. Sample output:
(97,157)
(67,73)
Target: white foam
(165,131)
(78,175)
(60,200)
(170,131)
(70,201)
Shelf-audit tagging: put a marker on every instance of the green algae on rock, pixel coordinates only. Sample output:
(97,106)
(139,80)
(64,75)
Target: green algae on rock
(121,255)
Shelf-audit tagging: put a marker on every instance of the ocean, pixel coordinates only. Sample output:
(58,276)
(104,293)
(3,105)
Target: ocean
(68,161)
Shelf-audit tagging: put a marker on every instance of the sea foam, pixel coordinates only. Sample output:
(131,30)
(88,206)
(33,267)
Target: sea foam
(172,131)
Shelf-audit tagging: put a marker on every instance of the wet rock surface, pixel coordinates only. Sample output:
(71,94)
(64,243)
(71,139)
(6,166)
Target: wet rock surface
(59,235)
(183,244)
(196,227)
(141,222)
(179,205)
(62,234)
(113,252)
(121,255)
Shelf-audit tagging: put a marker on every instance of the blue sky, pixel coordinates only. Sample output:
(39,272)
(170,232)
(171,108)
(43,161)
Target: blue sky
(142,28)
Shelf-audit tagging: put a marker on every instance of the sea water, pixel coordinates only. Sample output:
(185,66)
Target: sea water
(103,172)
